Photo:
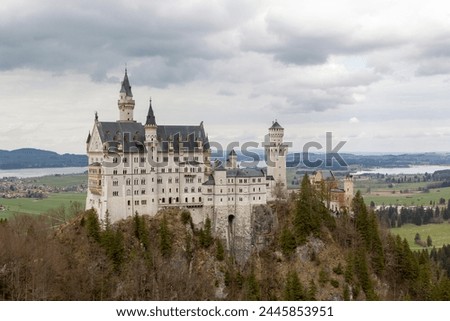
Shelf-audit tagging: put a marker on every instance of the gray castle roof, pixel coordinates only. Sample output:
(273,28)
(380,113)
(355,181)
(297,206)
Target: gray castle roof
(151,120)
(210,181)
(276,125)
(245,172)
(187,135)
(126,88)
(131,135)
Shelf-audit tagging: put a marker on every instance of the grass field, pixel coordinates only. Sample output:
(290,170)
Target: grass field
(416,199)
(35,207)
(60,180)
(439,233)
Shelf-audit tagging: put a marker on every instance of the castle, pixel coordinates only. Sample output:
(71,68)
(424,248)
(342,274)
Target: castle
(336,199)
(143,168)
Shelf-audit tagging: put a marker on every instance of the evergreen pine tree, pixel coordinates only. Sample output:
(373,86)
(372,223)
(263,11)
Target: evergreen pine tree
(220,252)
(429,241)
(306,220)
(287,241)
(112,242)
(293,290)
(92,225)
(165,239)
(252,288)
(312,290)
(206,238)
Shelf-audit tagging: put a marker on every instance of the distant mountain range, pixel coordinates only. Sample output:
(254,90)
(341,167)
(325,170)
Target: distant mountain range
(37,158)
(354,161)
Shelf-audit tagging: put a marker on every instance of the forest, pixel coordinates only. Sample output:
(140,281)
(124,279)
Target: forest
(312,255)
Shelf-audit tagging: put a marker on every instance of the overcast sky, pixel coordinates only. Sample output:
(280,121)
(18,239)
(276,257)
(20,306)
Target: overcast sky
(374,73)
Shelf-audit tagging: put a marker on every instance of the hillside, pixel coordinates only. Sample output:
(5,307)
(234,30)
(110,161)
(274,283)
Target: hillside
(311,256)
(37,158)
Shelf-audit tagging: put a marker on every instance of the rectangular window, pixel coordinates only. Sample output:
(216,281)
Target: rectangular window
(144,202)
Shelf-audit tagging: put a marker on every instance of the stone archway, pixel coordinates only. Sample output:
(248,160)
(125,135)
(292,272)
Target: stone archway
(230,232)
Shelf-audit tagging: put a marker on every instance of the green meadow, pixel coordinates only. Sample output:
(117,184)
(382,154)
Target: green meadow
(409,199)
(38,206)
(60,180)
(439,233)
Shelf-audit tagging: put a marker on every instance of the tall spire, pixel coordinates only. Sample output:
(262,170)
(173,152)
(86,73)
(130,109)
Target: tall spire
(126,102)
(150,115)
(126,88)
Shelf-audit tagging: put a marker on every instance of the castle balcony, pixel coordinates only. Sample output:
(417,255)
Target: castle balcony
(95,178)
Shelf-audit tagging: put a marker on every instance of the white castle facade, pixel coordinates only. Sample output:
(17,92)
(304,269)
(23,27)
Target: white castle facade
(143,168)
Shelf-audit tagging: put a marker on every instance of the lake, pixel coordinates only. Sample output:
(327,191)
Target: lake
(420,169)
(38,172)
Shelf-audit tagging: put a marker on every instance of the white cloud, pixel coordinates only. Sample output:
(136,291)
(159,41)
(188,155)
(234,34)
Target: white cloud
(237,65)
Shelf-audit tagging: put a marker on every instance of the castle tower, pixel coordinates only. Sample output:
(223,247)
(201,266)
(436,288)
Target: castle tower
(275,155)
(126,102)
(348,189)
(151,139)
(151,143)
(150,125)
(232,159)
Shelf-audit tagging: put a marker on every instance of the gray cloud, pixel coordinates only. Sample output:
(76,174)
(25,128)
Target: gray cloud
(294,41)
(247,61)
(94,38)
